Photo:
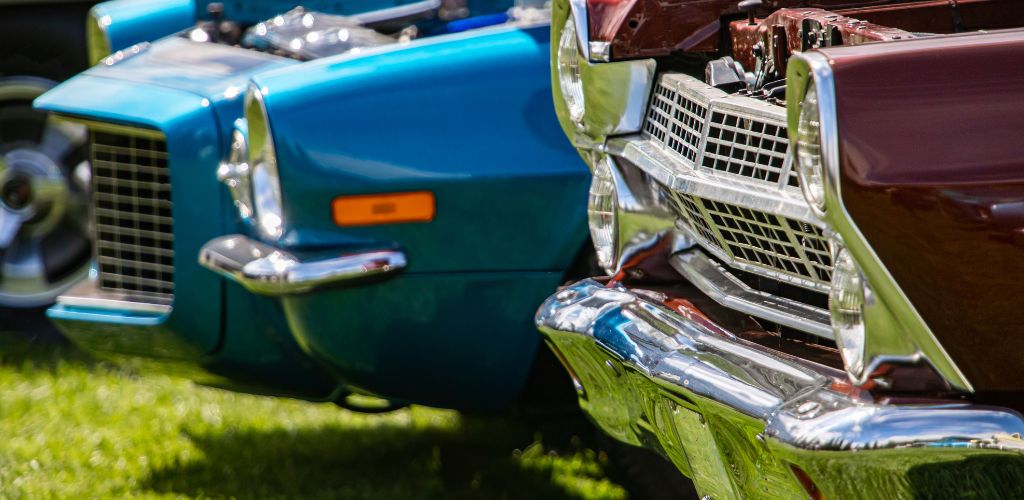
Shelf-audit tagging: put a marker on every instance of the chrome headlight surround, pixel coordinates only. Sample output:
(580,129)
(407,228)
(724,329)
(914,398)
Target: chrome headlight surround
(570,79)
(97,37)
(234,172)
(808,160)
(267,203)
(602,214)
(893,330)
(610,97)
(626,217)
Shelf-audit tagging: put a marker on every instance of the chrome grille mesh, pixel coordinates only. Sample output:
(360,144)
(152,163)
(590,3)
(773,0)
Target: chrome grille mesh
(132,212)
(793,251)
(746,147)
(710,129)
(676,121)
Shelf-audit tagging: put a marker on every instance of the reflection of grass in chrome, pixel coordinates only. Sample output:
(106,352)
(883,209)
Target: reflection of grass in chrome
(72,427)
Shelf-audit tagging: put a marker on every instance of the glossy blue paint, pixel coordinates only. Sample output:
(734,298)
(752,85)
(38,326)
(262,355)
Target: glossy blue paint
(459,340)
(132,21)
(465,115)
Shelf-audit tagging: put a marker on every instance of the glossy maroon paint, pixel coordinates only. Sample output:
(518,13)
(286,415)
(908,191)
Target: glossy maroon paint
(931,137)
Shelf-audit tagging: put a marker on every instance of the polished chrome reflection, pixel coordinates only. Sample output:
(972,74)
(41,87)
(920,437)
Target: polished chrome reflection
(615,93)
(717,283)
(740,418)
(267,270)
(235,172)
(268,206)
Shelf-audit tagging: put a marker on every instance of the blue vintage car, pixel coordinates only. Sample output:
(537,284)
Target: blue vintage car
(380,221)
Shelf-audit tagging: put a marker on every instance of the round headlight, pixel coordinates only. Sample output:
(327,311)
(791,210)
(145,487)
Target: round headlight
(569,71)
(846,304)
(601,214)
(266,185)
(808,151)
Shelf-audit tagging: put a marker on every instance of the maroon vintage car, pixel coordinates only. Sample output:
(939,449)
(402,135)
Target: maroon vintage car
(812,219)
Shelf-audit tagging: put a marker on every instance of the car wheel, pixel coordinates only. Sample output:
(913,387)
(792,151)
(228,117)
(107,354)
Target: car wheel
(44,188)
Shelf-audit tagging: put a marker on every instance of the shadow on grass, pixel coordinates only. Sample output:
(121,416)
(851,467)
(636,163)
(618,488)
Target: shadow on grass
(25,347)
(474,458)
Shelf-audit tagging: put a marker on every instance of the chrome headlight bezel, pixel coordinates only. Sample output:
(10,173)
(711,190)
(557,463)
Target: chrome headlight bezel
(894,331)
(627,218)
(235,174)
(602,214)
(267,200)
(808,160)
(97,37)
(570,78)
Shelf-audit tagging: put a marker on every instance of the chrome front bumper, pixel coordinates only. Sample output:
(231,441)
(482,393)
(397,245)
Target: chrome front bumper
(267,270)
(745,421)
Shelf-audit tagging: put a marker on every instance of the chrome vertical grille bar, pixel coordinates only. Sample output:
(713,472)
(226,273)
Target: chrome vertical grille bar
(132,212)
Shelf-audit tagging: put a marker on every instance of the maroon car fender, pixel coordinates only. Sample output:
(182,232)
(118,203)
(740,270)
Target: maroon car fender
(931,149)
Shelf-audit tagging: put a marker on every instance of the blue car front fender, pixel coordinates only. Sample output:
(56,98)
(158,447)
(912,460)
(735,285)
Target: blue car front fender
(466,116)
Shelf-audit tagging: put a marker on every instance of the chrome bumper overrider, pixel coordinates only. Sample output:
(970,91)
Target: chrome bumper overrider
(745,421)
(266,270)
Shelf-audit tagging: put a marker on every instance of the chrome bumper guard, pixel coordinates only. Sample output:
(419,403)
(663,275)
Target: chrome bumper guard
(266,270)
(745,421)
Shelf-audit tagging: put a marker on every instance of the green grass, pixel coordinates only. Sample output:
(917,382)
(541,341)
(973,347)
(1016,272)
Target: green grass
(72,427)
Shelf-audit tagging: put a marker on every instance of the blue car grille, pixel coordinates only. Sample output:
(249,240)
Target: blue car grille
(132,212)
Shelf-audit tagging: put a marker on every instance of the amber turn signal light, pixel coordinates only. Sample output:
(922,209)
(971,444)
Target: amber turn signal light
(389,208)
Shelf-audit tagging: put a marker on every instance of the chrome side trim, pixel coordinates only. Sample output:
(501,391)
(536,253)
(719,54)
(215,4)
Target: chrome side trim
(87,295)
(724,288)
(267,270)
(741,419)
(900,334)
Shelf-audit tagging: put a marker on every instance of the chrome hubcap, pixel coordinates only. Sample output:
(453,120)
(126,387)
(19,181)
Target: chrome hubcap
(44,186)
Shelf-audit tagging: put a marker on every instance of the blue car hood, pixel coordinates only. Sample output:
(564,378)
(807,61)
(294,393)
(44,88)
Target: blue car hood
(216,72)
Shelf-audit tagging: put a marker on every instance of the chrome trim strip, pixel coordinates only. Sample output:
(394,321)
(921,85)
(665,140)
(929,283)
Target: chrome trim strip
(724,288)
(113,128)
(87,295)
(739,417)
(399,12)
(267,270)
(578,11)
(685,178)
(906,336)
